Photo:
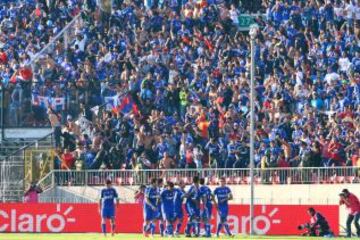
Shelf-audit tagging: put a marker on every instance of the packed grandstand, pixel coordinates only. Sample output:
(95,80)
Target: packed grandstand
(165,84)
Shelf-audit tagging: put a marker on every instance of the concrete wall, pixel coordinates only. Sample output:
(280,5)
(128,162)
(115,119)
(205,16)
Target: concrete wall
(30,133)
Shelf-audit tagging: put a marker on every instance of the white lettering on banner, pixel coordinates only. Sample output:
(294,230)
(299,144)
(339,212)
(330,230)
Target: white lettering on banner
(39,219)
(6,216)
(50,223)
(28,222)
(233,223)
(13,220)
(262,223)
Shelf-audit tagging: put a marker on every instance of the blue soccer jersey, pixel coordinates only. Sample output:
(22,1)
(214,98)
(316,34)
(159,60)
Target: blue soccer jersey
(108,197)
(151,200)
(168,204)
(179,196)
(158,203)
(222,196)
(193,202)
(206,196)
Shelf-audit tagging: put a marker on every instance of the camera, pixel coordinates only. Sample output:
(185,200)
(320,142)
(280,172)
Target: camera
(309,231)
(303,226)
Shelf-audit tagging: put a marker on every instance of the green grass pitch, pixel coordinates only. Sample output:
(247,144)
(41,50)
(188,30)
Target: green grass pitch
(86,236)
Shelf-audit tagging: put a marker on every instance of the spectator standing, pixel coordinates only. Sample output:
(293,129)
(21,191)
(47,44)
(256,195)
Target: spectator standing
(352,203)
(32,194)
(56,126)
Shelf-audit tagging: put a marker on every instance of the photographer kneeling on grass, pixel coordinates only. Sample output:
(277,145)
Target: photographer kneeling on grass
(318,225)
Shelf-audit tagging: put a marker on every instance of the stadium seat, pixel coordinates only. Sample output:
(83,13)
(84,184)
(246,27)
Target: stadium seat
(340,179)
(131,180)
(229,180)
(214,180)
(238,180)
(119,181)
(185,180)
(275,179)
(349,179)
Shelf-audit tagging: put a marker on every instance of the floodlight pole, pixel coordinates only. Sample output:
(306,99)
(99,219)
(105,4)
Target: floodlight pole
(253,34)
(2,89)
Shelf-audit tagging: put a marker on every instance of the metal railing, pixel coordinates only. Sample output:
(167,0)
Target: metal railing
(13,170)
(233,176)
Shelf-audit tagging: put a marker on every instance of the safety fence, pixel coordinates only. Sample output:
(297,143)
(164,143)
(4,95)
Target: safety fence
(27,164)
(212,176)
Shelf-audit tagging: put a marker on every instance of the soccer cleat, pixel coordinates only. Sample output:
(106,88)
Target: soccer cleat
(188,235)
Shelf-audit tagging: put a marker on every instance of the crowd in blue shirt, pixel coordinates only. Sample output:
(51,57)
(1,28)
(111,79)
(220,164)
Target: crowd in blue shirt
(26,27)
(180,71)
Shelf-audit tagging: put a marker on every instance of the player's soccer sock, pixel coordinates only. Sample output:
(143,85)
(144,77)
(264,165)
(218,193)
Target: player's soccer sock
(193,227)
(188,228)
(207,229)
(103,228)
(219,228)
(162,228)
(145,228)
(113,229)
(178,227)
(152,229)
(227,229)
(169,229)
(197,228)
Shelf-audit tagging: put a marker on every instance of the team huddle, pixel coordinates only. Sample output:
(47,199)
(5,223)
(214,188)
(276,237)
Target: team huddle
(164,205)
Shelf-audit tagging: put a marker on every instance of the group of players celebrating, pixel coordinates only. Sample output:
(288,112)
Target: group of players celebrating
(163,204)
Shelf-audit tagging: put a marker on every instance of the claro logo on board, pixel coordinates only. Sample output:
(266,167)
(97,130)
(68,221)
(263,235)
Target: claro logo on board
(11,221)
(74,218)
(262,223)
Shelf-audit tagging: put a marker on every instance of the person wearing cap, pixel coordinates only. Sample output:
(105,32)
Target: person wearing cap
(352,204)
(107,206)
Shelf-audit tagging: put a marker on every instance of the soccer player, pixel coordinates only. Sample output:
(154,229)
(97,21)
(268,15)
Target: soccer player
(223,195)
(167,197)
(159,217)
(193,208)
(206,197)
(352,203)
(107,206)
(179,198)
(150,207)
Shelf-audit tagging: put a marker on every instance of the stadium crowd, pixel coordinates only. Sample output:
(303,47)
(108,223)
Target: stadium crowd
(25,29)
(178,76)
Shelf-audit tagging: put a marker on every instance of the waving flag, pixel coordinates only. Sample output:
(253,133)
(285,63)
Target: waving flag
(111,102)
(58,104)
(127,105)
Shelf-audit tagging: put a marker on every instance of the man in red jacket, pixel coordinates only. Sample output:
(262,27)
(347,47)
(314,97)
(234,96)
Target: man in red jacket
(352,203)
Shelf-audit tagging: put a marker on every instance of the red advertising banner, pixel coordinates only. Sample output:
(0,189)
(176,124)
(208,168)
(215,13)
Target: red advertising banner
(269,219)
